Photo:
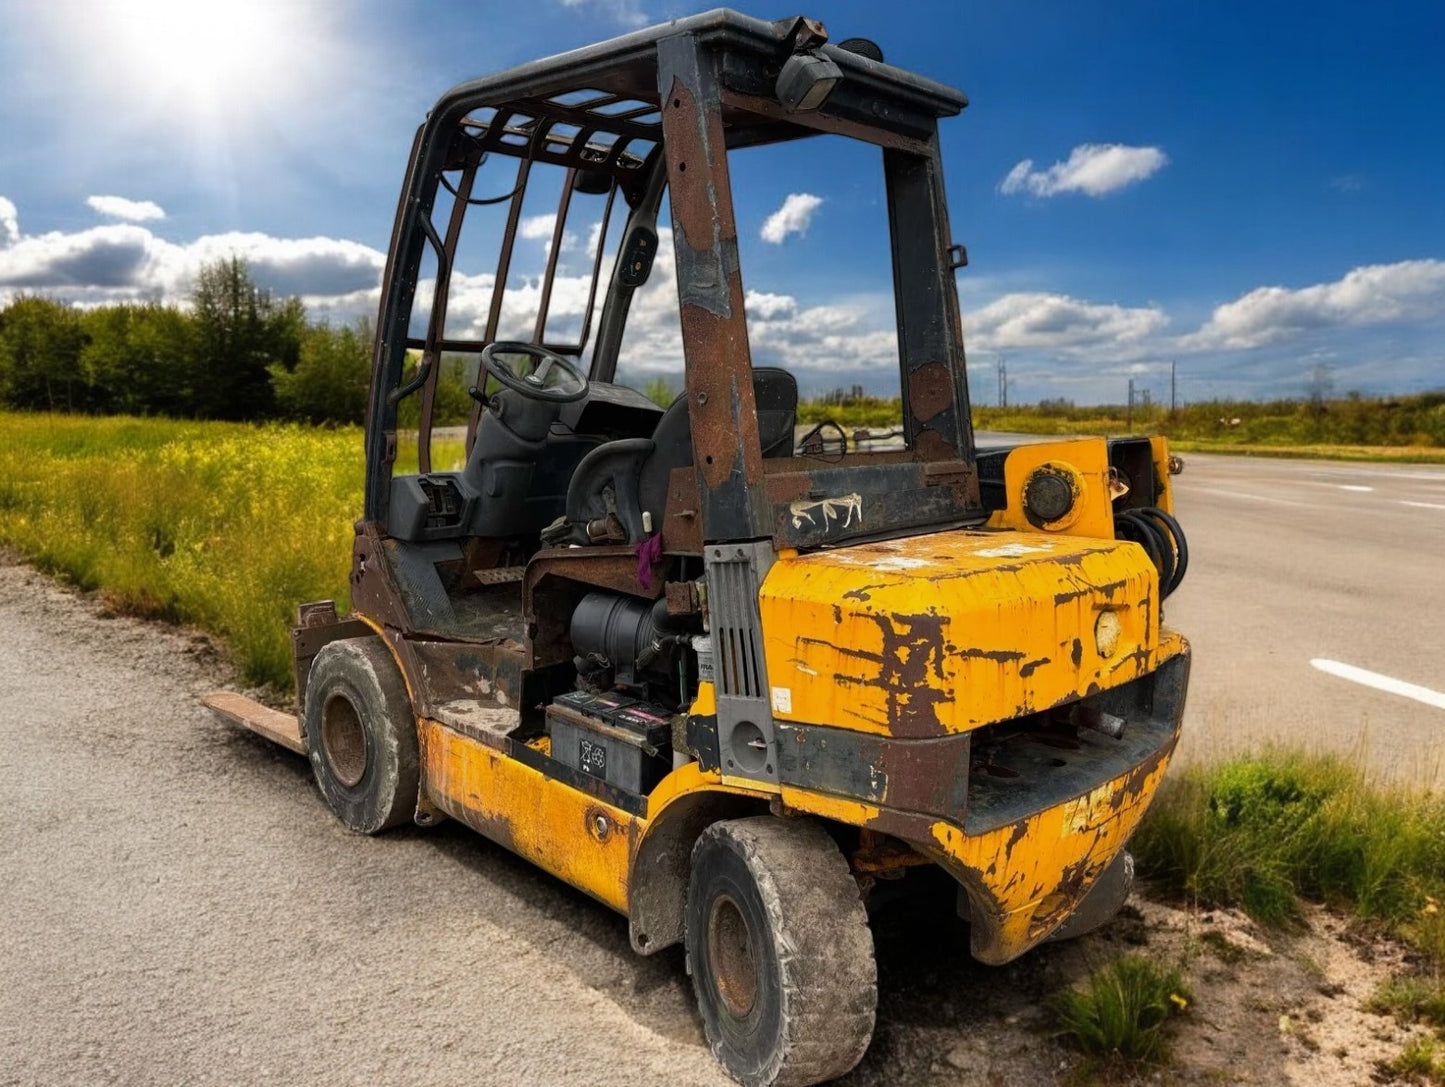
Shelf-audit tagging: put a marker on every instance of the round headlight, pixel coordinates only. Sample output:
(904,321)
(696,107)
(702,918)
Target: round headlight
(1107,629)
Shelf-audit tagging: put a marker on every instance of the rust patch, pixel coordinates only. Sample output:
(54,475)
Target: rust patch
(931,445)
(930,390)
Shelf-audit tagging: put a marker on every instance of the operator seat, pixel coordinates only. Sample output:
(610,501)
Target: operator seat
(629,476)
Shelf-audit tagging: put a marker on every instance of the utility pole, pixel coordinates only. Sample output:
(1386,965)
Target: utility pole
(1002,383)
(1129,422)
(1173,388)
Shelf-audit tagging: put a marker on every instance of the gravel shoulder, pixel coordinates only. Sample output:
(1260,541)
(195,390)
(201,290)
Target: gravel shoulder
(178,906)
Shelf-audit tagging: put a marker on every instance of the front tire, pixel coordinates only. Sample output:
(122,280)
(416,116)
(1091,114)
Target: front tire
(780,952)
(361,735)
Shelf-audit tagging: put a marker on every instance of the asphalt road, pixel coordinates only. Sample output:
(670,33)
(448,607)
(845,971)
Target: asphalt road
(1294,561)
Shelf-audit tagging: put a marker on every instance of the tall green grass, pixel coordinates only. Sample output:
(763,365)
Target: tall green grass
(227,526)
(1266,832)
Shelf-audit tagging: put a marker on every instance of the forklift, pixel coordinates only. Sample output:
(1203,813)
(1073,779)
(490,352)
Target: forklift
(728,682)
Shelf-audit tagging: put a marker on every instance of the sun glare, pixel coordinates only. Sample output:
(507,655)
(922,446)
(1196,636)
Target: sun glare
(199,54)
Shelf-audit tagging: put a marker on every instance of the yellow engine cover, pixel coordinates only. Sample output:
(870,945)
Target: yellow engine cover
(938,634)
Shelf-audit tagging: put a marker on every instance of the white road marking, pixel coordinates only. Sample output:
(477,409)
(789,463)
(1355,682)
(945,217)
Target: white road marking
(1380,683)
(1423,505)
(1254,497)
(1353,487)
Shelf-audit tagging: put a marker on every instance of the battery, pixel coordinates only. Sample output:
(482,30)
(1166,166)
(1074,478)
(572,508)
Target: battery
(621,740)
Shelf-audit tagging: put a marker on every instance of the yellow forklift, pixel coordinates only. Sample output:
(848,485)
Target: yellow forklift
(727,682)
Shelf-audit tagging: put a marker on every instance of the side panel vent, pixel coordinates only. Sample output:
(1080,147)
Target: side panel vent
(733,602)
(746,741)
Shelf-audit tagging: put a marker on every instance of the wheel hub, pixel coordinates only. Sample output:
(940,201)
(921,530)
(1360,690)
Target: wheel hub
(730,947)
(343,741)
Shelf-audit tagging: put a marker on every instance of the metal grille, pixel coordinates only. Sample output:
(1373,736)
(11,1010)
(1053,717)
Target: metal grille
(746,741)
(733,601)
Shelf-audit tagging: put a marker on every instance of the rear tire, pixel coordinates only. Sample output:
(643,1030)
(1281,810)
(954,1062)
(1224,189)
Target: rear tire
(361,735)
(780,952)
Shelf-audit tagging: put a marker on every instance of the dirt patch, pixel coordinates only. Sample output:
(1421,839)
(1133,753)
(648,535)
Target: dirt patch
(180,907)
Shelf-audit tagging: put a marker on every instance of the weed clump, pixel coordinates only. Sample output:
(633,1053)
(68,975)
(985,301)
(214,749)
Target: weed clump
(1422,1060)
(1410,998)
(1120,1012)
(1264,833)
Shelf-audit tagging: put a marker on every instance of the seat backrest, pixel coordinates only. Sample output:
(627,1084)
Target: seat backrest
(775,392)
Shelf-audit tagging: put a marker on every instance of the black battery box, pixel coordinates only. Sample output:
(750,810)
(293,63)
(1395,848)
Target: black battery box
(622,740)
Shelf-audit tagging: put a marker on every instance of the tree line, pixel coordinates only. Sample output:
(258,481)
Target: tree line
(236,353)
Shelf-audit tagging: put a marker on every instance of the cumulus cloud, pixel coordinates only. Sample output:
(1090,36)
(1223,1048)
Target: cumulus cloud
(792,218)
(1371,294)
(9,223)
(118,207)
(125,262)
(1057,322)
(1095,169)
(535,227)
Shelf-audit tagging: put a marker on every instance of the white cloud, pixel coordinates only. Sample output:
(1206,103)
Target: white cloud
(792,218)
(1371,294)
(9,222)
(118,207)
(765,306)
(1057,322)
(625,12)
(540,227)
(535,227)
(1095,169)
(125,262)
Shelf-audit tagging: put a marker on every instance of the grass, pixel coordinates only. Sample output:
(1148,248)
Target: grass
(1403,430)
(1120,1012)
(1423,1060)
(1410,998)
(227,526)
(1399,454)
(1265,832)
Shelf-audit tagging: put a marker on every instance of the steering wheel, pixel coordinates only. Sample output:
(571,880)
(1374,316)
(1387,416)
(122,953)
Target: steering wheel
(572,385)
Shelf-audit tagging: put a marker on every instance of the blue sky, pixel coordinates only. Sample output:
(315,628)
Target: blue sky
(1249,190)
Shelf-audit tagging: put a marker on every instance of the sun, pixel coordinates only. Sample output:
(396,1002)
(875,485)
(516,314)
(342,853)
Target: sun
(197,56)
(198,47)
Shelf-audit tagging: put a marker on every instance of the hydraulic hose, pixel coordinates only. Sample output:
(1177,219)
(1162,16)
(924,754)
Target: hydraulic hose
(1162,539)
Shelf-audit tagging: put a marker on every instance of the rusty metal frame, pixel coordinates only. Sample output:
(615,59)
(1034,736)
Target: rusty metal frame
(631,67)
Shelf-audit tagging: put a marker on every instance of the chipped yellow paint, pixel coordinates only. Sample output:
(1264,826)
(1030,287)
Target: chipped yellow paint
(1024,878)
(566,832)
(1088,459)
(942,633)
(1159,446)
(705,704)
(688,780)
(838,808)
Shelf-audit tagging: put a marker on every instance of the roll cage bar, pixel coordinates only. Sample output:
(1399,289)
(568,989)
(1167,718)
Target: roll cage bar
(662,107)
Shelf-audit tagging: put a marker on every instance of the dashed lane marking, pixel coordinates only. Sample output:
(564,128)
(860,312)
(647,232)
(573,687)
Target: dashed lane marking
(1422,505)
(1380,682)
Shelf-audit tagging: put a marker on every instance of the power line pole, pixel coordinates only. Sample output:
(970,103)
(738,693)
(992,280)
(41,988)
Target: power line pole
(1129,422)
(1173,388)
(1002,383)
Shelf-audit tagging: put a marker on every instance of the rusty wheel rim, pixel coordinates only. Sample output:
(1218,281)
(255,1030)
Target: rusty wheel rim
(343,741)
(730,949)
